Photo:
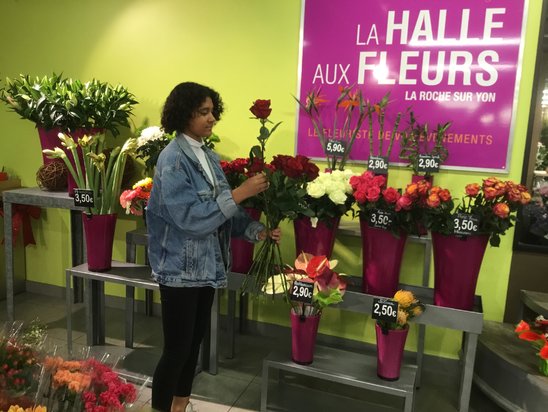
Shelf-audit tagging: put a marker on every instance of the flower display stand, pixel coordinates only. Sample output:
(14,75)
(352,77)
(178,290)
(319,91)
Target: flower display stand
(348,368)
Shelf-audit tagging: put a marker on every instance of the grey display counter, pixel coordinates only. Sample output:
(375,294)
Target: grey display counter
(36,197)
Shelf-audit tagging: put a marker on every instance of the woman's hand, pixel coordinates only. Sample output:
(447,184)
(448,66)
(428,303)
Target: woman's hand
(250,187)
(275,235)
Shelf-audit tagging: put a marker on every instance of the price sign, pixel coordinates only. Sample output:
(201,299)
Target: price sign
(335,148)
(429,164)
(302,291)
(378,164)
(83,198)
(465,224)
(381,219)
(385,309)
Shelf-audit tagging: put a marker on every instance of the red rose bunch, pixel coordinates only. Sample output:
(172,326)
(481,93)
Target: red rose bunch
(299,167)
(238,170)
(371,194)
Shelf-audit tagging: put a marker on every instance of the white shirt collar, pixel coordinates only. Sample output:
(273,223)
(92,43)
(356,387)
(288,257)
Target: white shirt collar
(193,142)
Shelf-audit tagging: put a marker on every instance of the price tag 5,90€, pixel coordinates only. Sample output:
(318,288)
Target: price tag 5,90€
(83,198)
(335,148)
(465,224)
(385,309)
(302,291)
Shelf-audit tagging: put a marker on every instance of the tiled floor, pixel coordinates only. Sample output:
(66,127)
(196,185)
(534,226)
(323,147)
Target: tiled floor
(236,388)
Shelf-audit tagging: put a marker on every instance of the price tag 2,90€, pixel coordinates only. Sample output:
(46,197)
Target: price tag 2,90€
(335,148)
(465,224)
(83,198)
(428,164)
(381,219)
(385,309)
(302,291)
(378,164)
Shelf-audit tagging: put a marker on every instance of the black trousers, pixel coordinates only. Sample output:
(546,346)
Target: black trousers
(185,315)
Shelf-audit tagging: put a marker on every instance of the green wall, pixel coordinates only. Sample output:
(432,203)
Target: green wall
(245,49)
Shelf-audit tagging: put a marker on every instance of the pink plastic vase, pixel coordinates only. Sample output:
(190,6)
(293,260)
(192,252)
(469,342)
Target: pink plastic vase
(382,256)
(99,232)
(241,250)
(457,262)
(390,352)
(48,140)
(318,241)
(304,330)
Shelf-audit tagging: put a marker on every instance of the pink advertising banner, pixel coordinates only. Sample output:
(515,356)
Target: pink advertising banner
(444,60)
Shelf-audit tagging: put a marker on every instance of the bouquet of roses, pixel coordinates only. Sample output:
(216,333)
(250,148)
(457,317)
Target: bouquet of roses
(329,196)
(403,210)
(287,177)
(493,204)
(135,200)
(83,385)
(537,334)
(237,171)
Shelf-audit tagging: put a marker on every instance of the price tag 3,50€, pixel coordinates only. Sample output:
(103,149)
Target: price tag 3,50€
(83,198)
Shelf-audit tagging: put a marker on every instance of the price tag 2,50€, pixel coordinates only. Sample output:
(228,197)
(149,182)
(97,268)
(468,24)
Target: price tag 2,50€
(385,309)
(83,198)
(302,291)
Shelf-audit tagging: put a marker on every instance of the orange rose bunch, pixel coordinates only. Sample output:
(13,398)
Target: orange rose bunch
(494,204)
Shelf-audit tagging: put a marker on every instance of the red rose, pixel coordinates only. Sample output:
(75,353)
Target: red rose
(373,193)
(513,194)
(379,180)
(404,202)
(261,108)
(501,210)
(391,195)
(433,201)
(444,195)
(360,196)
(472,189)
(491,181)
(489,193)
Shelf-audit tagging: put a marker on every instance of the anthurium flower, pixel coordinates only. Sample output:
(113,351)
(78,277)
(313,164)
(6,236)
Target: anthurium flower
(530,336)
(522,326)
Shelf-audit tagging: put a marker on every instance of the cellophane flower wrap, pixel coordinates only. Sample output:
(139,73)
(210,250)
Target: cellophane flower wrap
(83,385)
(134,201)
(536,333)
(372,194)
(494,203)
(283,199)
(20,354)
(237,171)
(408,307)
(329,196)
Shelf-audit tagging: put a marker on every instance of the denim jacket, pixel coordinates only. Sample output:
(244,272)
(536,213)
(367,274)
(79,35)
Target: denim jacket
(190,221)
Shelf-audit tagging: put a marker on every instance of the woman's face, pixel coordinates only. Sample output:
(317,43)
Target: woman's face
(202,121)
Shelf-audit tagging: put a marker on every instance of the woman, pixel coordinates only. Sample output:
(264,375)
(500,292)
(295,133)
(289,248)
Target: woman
(191,215)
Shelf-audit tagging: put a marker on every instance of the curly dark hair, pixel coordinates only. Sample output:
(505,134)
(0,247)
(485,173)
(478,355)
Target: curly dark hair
(182,103)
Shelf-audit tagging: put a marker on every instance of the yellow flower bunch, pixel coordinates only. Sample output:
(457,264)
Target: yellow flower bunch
(408,307)
(17,408)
